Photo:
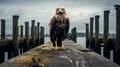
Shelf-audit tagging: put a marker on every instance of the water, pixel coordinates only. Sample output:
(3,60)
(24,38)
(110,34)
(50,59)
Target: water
(47,39)
(80,40)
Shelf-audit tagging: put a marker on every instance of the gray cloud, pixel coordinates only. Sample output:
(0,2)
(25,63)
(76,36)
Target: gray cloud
(79,11)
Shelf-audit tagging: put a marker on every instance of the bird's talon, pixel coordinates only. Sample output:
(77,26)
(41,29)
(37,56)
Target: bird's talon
(63,47)
(55,48)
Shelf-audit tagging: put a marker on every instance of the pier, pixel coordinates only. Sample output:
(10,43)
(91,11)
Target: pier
(29,50)
(74,55)
(95,42)
(18,45)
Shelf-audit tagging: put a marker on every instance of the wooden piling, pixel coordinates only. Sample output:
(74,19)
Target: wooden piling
(97,45)
(91,32)
(117,47)
(21,36)
(38,34)
(10,52)
(15,36)
(26,45)
(87,35)
(33,33)
(21,31)
(106,33)
(2,57)
(74,35)
(2,28)
(42,35)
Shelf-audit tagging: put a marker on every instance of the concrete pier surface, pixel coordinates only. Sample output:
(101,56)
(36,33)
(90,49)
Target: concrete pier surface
(74,55)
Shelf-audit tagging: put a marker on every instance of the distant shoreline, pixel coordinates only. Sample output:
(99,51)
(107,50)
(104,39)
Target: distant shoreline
(79,34)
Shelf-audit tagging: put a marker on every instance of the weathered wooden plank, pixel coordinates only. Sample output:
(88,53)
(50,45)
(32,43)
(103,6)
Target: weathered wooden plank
(73,56)
(5,42)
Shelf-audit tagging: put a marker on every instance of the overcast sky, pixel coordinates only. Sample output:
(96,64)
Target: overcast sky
(78,11)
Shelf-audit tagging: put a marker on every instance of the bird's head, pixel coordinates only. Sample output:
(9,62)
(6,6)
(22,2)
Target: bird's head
(60,11)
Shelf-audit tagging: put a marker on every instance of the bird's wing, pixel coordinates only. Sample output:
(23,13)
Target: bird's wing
(52,28)
(67,25)
(51,24)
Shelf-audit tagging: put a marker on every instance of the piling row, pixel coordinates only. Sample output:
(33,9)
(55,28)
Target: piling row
(16,45)
(108,43)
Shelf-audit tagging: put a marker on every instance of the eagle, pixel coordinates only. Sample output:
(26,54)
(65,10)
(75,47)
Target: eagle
(59,27)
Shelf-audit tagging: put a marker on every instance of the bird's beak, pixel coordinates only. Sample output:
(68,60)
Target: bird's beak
(60,12)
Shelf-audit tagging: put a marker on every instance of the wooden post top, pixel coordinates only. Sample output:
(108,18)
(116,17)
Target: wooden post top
(86,24)
(91,18)
(33,20)
(16,16)
(107,11)
(26,22)
(117,7)
(38,23)
(2,19)
(97,16)
(33,23)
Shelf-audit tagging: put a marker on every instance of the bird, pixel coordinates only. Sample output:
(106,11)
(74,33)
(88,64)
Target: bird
(59,27)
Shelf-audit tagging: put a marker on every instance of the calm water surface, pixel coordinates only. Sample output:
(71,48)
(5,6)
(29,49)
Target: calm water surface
(80,40)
